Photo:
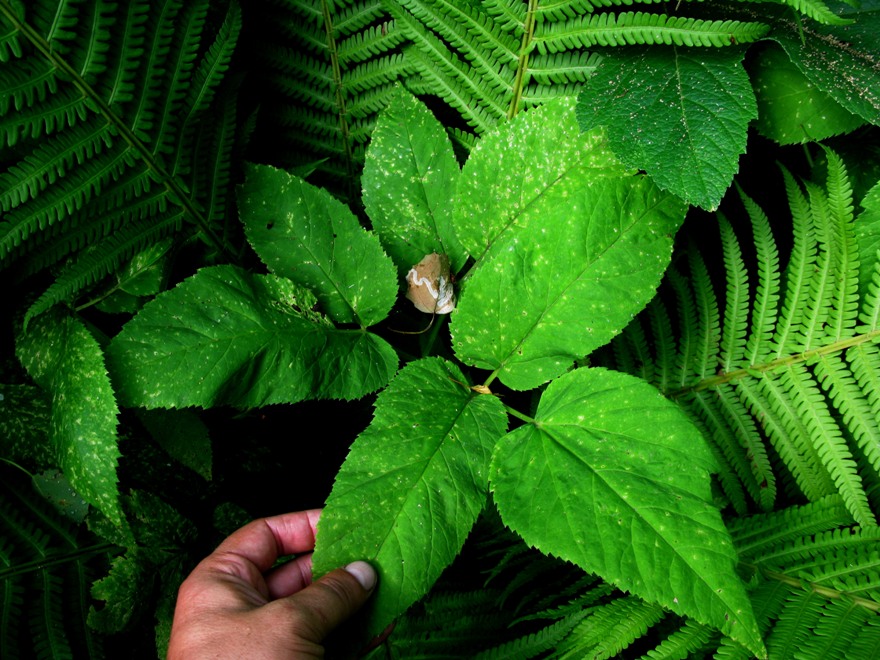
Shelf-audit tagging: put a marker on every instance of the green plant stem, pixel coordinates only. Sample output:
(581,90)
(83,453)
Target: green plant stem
(827,592)
(806,356)
(513,412)
(523,64)
(57,560)
(177,191)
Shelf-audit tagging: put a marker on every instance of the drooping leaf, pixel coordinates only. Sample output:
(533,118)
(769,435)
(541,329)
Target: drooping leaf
(791,109)
(615,478)
(412,485)
(565,285)
(409,181)
(512,169)
(679,114)
(183,435)
(66,361)
(224,336)
(303,233)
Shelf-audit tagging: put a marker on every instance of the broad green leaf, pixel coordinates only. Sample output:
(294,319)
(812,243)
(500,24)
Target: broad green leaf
(412,485)
(791,110)
(566,285)
(56,488)
(512,169)
(615,478)
(66,361)
(840,60)
(183,435)
(679,114)
(303,233)
(409,182)
(224,336)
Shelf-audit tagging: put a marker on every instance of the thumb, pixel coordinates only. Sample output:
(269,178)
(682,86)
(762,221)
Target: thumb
(327,602)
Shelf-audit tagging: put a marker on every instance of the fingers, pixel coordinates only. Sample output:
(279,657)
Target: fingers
(262,541)
(332,599)
(293,576)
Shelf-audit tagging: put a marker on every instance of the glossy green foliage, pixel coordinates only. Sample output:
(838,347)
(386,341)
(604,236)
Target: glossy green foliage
(307,236)
(409,177)
(260,334)
(687,128)
(415,481)
(595,480)
(66,361)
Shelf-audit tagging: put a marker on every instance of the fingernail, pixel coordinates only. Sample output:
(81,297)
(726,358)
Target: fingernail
(363,573)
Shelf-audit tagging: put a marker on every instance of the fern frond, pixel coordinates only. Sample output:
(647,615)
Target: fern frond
(568,67)
(119,116)
(736,308)
(534,644)
(682,643)
(631,28)
(610,628)
(755,535)
(765,308)
(92,265)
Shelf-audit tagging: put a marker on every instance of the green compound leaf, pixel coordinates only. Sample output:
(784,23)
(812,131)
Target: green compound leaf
(412,485)
(226,337)
(867,228)
(615,478)
(511,170)
(791,109)
(564,286)
(410,176)
(681,115)
(65,360)
(303,233)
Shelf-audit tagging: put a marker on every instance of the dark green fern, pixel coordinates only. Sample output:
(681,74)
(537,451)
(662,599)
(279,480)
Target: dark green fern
(46,572)
(326,69)
(781,381)
(109,132)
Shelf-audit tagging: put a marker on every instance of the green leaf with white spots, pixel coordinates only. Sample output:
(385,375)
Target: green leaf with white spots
(412,485)
(303,233)
(614,478)
(839,59)
(512,169)
(65,360)
(562,287)
(409,181)
(682,115)
(227,337)
(791,109)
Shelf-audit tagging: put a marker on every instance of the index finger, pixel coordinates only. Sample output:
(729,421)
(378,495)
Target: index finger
(262,541)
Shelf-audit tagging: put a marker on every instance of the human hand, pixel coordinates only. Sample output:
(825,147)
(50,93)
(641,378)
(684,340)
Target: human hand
(233,606)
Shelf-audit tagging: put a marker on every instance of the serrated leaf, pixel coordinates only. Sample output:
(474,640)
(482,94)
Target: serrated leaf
(412,485)
(566,284)
(791,110)
(840,60)
(66,361)
(122,592)
(615,478)
(224,336)
(680,114)
(410,176)
(513,168)
(303,233)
